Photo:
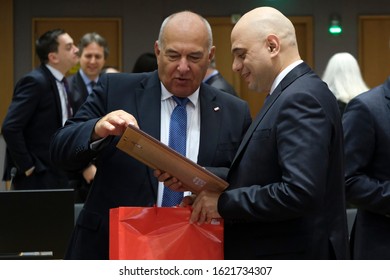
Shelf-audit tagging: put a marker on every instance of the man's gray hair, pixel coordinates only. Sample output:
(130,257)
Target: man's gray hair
(166,20)
(89,38)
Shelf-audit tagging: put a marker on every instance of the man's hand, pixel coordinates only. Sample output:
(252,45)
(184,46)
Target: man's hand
(169,181)
(29,171)
(114,123)
(205,207)
(89,173)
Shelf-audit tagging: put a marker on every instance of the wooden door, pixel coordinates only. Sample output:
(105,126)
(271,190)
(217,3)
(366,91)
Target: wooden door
(109,28)
(222,27)
(6,57)
(374,49)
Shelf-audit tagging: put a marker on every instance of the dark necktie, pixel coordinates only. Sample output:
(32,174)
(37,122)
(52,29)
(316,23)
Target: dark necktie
(67,98)
(177,141)
(92,84)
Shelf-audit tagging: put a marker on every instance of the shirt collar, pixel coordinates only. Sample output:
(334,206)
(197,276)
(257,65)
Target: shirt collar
(86,80)
(215,72)
(57,74)
(283,74)
(165,94)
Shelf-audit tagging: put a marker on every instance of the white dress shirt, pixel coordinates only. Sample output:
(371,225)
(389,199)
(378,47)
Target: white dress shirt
(62,91)
(283,74)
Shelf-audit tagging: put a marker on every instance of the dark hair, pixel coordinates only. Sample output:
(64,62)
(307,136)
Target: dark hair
(47,43)
(89,38)
(146,62)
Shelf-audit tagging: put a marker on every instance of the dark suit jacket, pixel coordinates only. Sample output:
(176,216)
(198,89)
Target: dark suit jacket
(78,89)
(32,118)
(286,194)
(78,93)
(341,105)
(366,123)
(219,82)
(120,179)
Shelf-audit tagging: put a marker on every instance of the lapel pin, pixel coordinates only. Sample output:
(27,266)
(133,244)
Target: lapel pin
(216,109)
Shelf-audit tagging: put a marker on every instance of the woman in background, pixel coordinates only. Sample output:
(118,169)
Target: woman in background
(344,78)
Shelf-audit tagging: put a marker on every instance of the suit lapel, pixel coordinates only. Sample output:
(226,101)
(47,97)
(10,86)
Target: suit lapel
(210,123)
(387,92)
(81,87)
(267,105)
(78,89)
(148,100)
(294,74)
(53,85)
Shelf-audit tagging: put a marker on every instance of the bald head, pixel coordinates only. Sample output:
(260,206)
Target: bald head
(264,21)
(186,22)
(263,45)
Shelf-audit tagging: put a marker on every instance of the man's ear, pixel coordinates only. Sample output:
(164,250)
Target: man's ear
(52,57)
(156,49)
(212,53)
(273,44)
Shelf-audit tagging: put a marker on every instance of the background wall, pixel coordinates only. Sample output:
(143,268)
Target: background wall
(141,20)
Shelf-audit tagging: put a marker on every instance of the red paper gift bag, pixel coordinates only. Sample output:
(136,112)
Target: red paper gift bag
(162,233)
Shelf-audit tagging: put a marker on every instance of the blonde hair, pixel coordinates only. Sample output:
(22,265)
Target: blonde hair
(343,76)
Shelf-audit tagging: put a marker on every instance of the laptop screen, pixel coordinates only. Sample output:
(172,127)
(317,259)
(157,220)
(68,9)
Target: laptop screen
(35,224)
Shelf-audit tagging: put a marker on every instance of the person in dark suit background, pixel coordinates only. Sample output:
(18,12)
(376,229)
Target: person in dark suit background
(285,198)
(215,79)
(366,123)
(93,53)
(146,100)
(146,62)
(38,108)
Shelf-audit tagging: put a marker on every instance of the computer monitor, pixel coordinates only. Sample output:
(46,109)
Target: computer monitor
(35,224)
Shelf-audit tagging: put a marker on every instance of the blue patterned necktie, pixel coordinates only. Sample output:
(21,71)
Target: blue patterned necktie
(177,141)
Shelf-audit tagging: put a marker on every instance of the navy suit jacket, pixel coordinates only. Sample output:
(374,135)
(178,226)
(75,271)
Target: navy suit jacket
(78,89)
(286,195)
(33,116)
(219,82)
(366,123)
(120,179)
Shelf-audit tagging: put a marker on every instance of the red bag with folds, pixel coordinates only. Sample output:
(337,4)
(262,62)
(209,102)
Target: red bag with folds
(162,233)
